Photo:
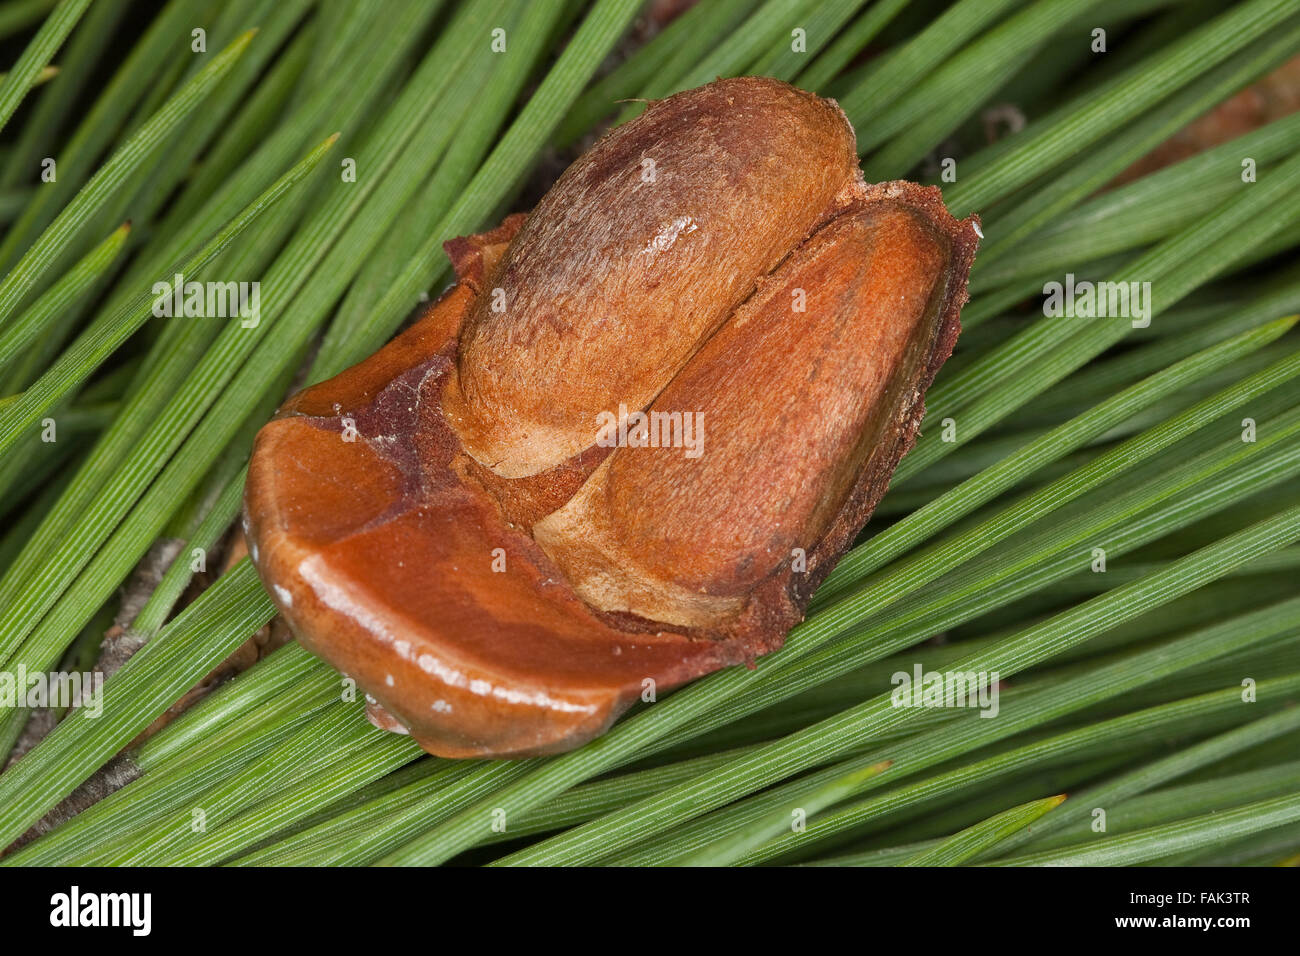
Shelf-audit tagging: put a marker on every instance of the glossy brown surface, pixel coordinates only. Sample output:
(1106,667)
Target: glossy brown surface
(439,523)
(379,552)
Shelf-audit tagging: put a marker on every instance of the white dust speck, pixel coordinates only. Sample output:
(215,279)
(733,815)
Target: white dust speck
(664,239)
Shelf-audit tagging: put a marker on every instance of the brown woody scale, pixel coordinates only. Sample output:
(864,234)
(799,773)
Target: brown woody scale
(661,272)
